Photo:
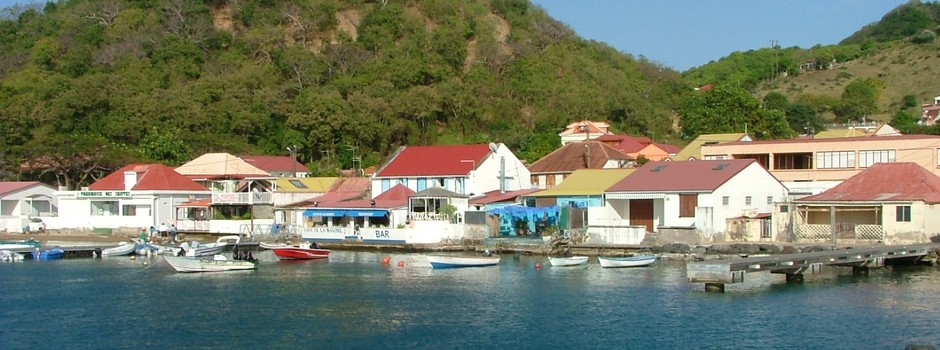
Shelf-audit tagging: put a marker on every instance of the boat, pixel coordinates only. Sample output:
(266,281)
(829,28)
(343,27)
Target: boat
(144,249)
(630,261)
(266,245)
(53,253)
(19,244)
(446,262)
(217,263)
(302,252)
(196,249)
(6,255)
(125,248)
(567,260)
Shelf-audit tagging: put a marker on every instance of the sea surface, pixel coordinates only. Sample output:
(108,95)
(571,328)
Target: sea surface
(352,301)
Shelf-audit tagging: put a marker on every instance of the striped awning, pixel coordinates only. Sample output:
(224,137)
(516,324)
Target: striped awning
(324,212)
(630,195)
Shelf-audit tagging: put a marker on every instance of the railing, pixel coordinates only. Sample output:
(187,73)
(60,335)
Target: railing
(183,225)
(875,232)
(429,216)
(242,198)
(814,231)
(846,231)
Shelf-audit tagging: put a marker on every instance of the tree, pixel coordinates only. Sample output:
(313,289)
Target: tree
(905,122)
(803,119)
(859,99)
(164,146)
(776,100)
(728,109)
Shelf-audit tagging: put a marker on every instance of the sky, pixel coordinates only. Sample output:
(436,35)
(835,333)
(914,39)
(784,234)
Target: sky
(682,34)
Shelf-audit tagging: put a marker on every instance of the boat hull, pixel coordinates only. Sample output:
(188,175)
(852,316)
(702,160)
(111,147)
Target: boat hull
(568,260)
(50,254)
(192,264)
(449,262)
(125,248)
(632,261)
(297,253)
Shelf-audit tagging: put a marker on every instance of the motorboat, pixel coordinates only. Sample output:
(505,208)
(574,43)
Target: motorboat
(6,255)
(303,252)
(19,244)
(217,263)
(53,253)
(446,262)
(266,245)
(196,249)
(125,248)
(567,260)
(630,261)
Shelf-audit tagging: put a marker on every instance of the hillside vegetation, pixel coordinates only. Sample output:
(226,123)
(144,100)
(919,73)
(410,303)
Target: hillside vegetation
(88,86)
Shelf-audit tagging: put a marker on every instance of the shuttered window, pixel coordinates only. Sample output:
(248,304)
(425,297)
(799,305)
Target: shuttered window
(687,204)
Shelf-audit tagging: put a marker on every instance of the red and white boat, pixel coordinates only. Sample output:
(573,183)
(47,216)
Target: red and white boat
(302,252)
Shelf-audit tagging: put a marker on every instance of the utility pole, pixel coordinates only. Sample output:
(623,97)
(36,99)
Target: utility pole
(293,160)
(773,46)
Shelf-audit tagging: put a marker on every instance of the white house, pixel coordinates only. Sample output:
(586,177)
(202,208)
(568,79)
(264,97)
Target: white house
(135,196)
(464,169)
(692,201)
(24,204)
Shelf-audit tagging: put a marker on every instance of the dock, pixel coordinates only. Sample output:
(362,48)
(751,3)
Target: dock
(716,273)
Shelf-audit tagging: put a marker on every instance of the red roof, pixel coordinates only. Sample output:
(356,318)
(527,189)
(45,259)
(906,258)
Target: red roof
(150,177)
(275,163)
(398,192)
(838,139)
(885,182)
(13,186)
(699,175)
(578,155)
(435,160)
(495,196)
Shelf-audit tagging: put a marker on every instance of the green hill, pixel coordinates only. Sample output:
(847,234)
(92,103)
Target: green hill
(88,86)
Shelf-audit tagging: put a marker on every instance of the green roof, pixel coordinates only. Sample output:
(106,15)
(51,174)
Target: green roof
(694,148)
(307,184)
(586,182)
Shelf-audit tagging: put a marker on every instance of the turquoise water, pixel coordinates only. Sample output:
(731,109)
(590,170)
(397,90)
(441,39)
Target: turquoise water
(351,301)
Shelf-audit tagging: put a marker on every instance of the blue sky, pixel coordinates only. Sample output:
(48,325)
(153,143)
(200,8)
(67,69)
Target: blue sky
(682,34)
(687,33)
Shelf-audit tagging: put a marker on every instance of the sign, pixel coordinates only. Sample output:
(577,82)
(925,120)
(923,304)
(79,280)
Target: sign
(126,194)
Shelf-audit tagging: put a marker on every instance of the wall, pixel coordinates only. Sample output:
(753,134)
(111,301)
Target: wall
(915,231)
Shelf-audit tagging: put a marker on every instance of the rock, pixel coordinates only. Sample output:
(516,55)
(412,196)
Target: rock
(789,250)
(698,250)
(745,248)
(769,248)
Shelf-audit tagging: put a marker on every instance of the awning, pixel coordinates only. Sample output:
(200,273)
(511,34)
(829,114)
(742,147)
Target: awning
(324,212)
(367,212)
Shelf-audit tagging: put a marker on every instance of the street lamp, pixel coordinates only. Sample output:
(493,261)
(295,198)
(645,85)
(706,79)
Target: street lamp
(293,160)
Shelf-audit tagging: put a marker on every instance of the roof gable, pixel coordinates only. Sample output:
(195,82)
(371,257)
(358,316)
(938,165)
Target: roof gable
(586,182)
(698,176)
(220,164)
(496,196)
(578,155)
(150,177)
(885,182)
(448,160)
(398,192)
(307,184)
(438,192)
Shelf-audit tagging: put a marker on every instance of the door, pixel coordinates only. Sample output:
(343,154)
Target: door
(641,213)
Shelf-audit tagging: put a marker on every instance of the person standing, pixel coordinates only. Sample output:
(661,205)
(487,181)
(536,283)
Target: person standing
(164,231)
(173,232)
(143,235)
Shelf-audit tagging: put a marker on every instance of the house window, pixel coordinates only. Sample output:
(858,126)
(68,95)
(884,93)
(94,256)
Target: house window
(459,185)
(535,180)
(549,181)
(903,213)
(687,204)
(440,182)
(104,208)
(716,157)
(784,209)
(835,160)
(867,158)
(747,200)
(765,228)
(386,184)
(422,183)
(129,210)
(725,200)
(297,183)
(770,200)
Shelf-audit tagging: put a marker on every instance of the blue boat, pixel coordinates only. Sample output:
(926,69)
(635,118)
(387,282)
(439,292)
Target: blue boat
(449,262)
(53,253)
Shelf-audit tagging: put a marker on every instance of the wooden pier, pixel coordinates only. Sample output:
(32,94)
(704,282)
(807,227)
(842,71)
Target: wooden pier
(716,273)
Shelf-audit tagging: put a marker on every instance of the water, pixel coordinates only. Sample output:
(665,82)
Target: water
(351,301)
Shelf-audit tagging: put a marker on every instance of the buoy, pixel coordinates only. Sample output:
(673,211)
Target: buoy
(538,265)
(133,257)
(386,260)
(401,263)
(145,263)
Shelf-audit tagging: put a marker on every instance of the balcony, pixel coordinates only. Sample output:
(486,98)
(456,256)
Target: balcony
(242,198)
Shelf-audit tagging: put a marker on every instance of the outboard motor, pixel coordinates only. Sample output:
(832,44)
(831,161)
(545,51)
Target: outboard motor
(98,253)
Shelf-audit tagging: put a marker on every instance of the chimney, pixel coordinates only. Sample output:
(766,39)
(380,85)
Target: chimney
(130,180)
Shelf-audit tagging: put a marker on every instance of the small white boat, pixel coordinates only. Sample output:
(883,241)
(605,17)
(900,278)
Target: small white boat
(217,263)
(446,262)
(630,261)
(196,249)
(567,260)
(125,248)
(6,255)
(266,245)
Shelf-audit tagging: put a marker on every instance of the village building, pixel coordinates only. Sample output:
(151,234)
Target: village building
(637,147)
(692,201)
(583,131)
(553,168)
(930,112)
(890,203)
(134,197)
(24,205)
(465,169)
(811,166)
(693,150)
(277,166)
